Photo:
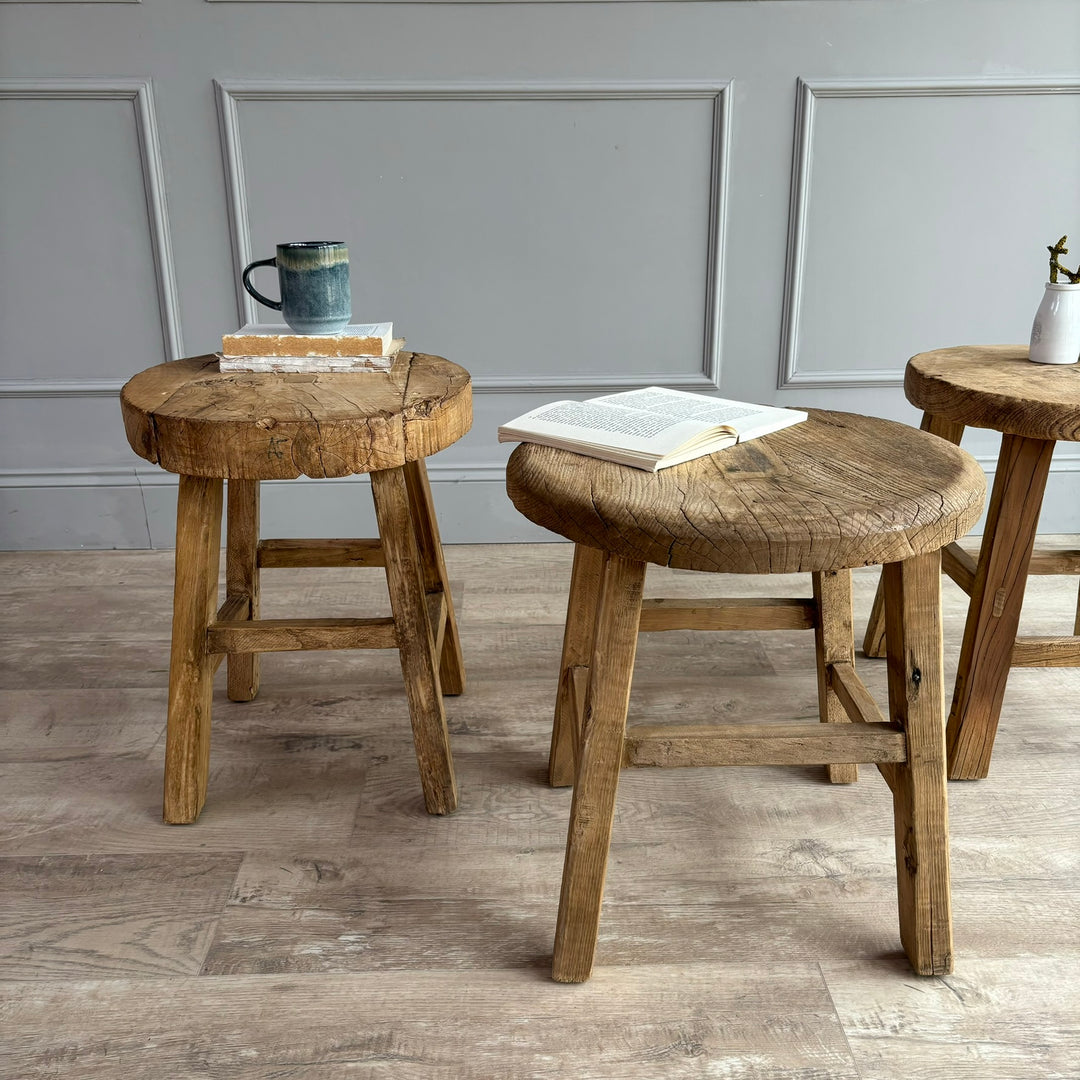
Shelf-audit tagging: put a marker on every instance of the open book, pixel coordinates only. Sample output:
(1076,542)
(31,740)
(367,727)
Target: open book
(648,429)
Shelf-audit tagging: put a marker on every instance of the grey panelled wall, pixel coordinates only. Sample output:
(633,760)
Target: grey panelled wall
(781,200)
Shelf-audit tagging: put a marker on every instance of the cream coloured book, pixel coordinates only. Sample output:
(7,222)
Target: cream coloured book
(649,429)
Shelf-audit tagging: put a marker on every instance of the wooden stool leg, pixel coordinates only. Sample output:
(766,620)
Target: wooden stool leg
(599,761)
(996,598)
(191,668)
(834,643)
(874,639)
(416,644)
(920,804)
(242,579)
(451,666)
(578,638)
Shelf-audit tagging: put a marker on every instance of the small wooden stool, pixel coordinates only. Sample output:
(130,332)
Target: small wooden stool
(834,492)
(206,425)
(1034,406)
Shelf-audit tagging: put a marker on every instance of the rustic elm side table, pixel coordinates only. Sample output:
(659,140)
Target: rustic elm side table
(209,426)
(835,492)
(1034,406)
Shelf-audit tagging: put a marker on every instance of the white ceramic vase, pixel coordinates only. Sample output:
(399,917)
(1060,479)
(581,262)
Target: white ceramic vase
(1055,333)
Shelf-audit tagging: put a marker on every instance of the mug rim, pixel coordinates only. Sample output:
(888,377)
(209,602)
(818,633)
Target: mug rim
(313,244)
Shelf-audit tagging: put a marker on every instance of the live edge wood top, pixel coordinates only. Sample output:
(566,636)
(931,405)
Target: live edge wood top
(837,491)
(191,418)
(997,387)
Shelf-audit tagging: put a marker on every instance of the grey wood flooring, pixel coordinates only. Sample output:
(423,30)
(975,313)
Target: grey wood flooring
(317,923)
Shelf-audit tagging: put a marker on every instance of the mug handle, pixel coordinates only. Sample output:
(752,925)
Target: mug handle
(275,304)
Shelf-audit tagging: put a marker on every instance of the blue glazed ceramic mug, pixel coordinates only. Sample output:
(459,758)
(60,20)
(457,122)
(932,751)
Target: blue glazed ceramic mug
(314,280)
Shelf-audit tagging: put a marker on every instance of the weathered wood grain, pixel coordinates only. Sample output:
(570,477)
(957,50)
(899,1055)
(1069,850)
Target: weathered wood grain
(507,1023)
(246,636)
(996,387)
(242,578)
(916,702)
(320,553)
(194,420)
(109,915)
(579,637)
(801,499)
(725,890)
(416,643)
(187,747)
(997,596)
(834,643)
(596,774)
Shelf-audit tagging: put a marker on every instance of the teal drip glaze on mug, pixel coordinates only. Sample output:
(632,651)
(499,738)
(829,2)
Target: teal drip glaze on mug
(314,280)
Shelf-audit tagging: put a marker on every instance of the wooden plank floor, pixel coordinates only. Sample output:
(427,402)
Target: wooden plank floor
(317,923)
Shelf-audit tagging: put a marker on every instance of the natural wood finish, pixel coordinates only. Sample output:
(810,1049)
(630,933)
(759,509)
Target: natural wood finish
(693,745)
(192,419)
(833,644)
(996,600)
(290,635)
(1048,561)
(960,566)
(579,635)
(737,613)
(320,553)
(433,566)
(920,805)
(437,619)
(874,638)
(1033,406)
(765,509)
(996,387)
(851,690)
(749,918)
(1046,652)
(191,668)
(233,609)
(604,621)
(242,579)
(416,642)
(597,776)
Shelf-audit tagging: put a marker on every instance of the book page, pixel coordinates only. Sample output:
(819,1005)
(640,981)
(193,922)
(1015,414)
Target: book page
(679,405)
(606,424)
(748,421)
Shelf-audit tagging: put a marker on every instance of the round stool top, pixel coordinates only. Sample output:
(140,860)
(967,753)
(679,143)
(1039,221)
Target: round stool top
(837,491)
(193,419)
(997,387)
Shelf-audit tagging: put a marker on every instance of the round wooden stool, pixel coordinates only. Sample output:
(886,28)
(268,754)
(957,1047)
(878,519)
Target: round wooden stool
(1034,406)
(834,492)
(207,426)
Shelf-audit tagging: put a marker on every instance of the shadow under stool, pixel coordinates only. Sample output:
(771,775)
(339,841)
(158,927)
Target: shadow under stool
(209,426)
(835,492)
(1034,406)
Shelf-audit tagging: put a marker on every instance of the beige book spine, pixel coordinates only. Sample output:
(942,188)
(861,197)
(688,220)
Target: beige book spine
(292,345)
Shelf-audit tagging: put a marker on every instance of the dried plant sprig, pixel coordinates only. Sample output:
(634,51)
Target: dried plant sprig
(1056,252)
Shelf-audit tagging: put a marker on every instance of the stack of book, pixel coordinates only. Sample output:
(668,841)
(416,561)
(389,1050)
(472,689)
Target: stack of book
(361,347)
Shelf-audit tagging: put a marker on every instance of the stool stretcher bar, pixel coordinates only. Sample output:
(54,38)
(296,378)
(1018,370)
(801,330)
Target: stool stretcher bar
(692,745)
(233,635)
(738,613)
(320,553)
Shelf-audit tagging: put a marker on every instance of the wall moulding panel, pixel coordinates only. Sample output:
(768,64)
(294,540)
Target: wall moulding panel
(700,133)
(869,251)
(138,92)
